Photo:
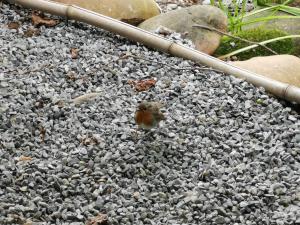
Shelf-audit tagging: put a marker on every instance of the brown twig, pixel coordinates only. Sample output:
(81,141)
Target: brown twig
(41,67)
(165,64)
(235,37)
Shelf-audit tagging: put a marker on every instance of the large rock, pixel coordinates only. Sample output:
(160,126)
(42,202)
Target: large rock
(284,68)
(182,20)
(290,26)
(131,11)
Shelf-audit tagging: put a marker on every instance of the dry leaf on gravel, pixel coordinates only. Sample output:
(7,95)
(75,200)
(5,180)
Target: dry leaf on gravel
(74,53)
(13,25)
(39,20)
(31,32)
(86,97)
(89,141)
(142,85)
(25,158)
(60,103)
(28,222)
(71,76)
(100,219)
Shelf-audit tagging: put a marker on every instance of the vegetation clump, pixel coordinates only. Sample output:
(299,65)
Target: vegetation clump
(229,44)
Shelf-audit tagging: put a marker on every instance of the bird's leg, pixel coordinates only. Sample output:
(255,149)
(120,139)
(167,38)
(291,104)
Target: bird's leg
(136,133)
(160,130)
(149,133)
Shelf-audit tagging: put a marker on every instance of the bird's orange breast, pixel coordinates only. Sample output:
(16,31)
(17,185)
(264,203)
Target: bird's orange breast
(144,118)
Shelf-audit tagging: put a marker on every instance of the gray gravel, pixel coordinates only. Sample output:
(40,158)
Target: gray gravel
(169,5)
(227,153)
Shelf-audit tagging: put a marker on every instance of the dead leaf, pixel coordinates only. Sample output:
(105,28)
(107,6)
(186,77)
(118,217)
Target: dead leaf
(74,53)
(60,103)
(124,56)
(71,76)
(86,97)
(28,222)
(39,20)
(31,32)
(13,25)
(100,219)
(142,85)
(25,158)
(89,141)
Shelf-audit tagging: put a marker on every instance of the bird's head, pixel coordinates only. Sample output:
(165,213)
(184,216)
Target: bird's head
(143,106)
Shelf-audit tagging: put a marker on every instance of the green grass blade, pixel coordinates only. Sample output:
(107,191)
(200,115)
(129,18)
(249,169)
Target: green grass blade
(256,45)
(288,9)
(222,7)
(261,2)
(288,2)
(267,18)
(261,10)
(291,10)
(243,10)
(236,8)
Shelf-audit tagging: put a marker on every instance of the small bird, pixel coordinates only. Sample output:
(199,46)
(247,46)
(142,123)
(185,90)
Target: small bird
(148,115)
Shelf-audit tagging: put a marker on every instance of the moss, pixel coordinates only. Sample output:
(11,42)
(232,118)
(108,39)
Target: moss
(229,44)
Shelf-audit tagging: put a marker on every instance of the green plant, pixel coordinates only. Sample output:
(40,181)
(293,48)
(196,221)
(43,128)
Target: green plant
(236,17)
(273,9)
(276,40)
(263,43)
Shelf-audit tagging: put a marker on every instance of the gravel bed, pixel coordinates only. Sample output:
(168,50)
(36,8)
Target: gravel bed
(227,154)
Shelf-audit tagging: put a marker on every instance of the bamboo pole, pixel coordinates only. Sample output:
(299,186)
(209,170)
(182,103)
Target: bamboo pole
(279,89)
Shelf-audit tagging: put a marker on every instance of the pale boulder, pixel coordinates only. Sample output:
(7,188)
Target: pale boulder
(130,11)
(284,68)
(182,21)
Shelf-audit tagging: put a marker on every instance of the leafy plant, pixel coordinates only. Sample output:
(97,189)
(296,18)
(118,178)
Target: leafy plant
(261,43)
(273,9)
(236,17)
(276,40)
(266,41)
